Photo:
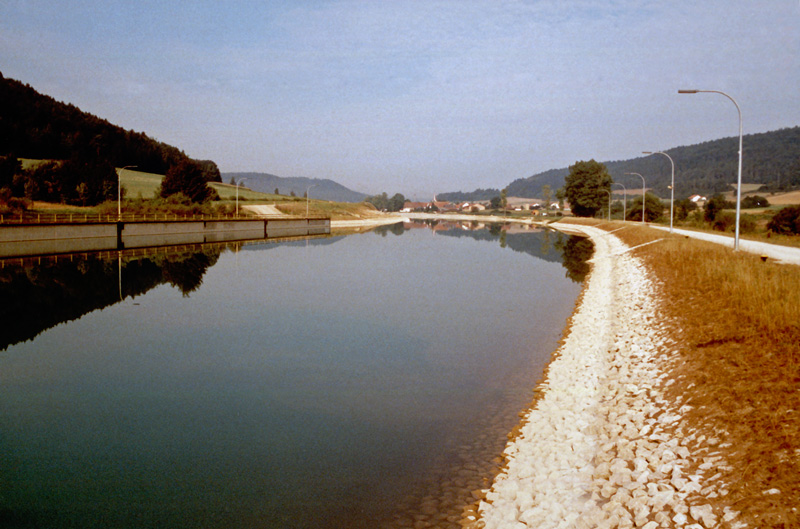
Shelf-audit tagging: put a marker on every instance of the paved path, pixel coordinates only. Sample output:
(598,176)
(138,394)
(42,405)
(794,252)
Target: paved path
(783,254)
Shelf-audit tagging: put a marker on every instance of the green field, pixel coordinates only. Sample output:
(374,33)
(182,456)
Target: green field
(145,185)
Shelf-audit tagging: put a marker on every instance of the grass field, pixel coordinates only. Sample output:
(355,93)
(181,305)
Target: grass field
(145,185)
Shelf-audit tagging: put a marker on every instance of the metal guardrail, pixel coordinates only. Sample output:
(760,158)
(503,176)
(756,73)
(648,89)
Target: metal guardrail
(70,218)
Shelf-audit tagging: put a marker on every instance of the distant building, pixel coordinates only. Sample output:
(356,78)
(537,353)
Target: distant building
(699,200)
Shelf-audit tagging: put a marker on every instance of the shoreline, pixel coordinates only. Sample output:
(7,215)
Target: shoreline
(602,446)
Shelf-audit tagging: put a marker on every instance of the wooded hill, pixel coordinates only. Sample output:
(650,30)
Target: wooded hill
(33,125)
(771,159)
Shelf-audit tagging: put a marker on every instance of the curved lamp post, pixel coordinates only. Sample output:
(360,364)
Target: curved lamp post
(643,191)
(237,195)
(119,190)
(671,187)
(624,199)
(307,197)
(739,177)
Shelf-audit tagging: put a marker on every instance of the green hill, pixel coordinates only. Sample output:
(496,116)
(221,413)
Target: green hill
(33,125)
(770,159)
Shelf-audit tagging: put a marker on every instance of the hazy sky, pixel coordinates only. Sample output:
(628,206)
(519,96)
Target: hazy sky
(409,96)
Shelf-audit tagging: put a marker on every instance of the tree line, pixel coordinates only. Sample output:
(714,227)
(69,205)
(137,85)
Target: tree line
(383,202)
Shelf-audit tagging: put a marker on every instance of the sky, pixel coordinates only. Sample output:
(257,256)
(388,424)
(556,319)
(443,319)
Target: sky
(411,96)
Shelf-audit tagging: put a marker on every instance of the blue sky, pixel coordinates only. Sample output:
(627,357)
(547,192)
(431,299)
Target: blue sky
(415,97)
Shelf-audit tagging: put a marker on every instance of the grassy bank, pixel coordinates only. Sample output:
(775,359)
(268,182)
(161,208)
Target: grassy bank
(735,322)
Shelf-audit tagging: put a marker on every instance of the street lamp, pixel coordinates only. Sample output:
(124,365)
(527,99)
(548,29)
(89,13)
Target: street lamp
(624,199)
(643,191)
(739,177)
(307,197)
(119,191)
(609,204)
(671,187)
(237,195)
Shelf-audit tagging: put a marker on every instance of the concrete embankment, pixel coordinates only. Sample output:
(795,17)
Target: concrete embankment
(19,239)
(602,447)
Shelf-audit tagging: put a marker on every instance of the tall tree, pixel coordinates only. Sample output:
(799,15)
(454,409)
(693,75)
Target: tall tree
(585,187)
(186,177)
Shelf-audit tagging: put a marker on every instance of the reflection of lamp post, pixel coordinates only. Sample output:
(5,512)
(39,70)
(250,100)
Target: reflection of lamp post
(119,190)
(671,187)
(237,195)
(643,188)
(624,199)
(739,178)
(307,197)
(609,203)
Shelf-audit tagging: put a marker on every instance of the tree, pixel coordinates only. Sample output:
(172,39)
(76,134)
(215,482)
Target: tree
(786,221)
(547,196)
(585,186)
(755,201)
(186,177)
(504,197)
(683,207)
(495,202)
(396,202)
(714,206)
(653,208)
(382,202)
(9,167)
(210,170)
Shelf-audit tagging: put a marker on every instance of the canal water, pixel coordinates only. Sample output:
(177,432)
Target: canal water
(367,380)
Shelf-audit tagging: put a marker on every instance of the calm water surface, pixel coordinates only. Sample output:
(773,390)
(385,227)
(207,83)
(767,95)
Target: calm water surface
(310,384)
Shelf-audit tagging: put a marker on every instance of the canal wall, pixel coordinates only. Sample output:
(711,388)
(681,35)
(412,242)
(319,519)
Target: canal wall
(44,239)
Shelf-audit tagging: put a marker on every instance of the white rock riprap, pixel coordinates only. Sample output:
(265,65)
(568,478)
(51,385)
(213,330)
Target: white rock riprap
(602,447)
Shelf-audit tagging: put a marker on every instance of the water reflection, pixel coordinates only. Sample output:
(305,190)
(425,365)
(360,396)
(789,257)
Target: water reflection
(36,295)
(318,383)
(550,245)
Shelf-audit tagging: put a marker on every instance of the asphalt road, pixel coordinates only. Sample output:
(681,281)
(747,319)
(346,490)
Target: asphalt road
(783,254)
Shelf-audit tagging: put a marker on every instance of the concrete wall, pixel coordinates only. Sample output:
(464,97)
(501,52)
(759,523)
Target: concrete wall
(41,239)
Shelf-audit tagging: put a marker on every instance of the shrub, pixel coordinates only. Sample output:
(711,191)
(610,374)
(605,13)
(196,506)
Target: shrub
(754,201)
(724,221)
(786,221)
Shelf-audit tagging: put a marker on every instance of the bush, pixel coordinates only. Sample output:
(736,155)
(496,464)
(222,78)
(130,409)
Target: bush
(754,201)
(786,221)
(724,221)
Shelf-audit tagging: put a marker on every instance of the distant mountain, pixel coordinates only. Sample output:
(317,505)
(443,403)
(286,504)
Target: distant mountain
(323,189)
(770,158)
(34,125)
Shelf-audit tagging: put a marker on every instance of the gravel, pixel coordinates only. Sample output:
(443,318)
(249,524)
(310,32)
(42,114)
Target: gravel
(602,447)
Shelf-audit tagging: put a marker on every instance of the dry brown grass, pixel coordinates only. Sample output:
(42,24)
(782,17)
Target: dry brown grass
(736,324)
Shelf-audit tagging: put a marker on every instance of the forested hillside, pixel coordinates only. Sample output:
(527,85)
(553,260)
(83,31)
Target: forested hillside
(33,125)
(771,159)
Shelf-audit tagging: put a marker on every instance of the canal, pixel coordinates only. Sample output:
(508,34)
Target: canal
(367,380)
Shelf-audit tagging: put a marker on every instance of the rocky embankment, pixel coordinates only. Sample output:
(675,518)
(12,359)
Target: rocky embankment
(602,447)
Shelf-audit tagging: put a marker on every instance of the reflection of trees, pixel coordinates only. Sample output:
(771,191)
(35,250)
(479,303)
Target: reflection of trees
(576,251)
(186,271)
(395,229)
(34,298)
